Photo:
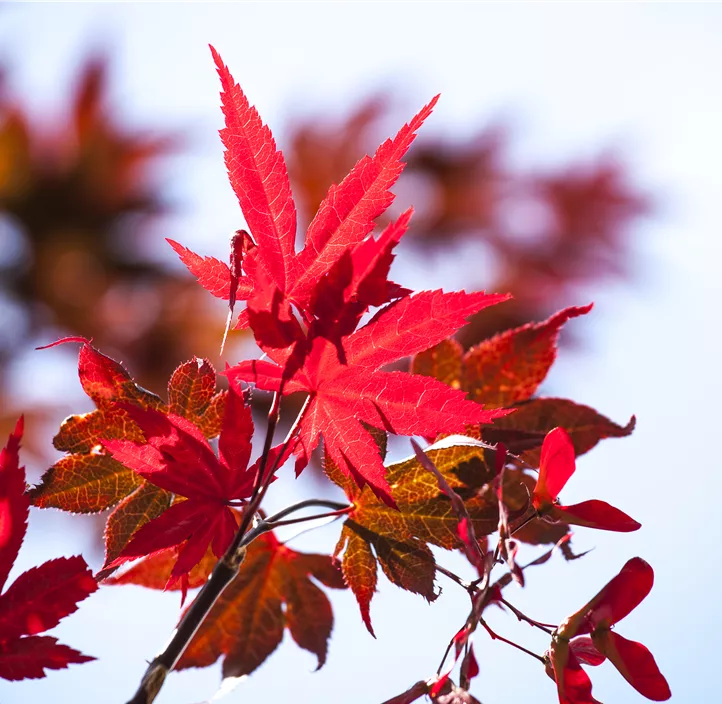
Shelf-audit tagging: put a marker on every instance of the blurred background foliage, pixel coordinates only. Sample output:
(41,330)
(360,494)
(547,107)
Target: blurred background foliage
(79,197)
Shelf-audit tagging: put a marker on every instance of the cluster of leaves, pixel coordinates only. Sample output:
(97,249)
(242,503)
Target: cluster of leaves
(330,323)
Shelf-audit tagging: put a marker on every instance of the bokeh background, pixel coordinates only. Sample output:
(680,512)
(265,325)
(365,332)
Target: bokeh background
(574,156)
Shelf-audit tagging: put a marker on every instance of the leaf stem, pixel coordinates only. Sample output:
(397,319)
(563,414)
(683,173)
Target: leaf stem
(304,519)
(455,577)
(496,636)
(546,627)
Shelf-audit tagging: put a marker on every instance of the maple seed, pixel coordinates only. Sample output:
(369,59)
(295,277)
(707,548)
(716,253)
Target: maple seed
(635,663)
(557,466)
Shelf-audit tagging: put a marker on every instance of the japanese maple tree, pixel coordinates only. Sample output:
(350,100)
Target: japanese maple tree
(188,501)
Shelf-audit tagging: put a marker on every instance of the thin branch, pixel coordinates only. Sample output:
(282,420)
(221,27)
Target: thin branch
(226,569)
(274,414)
(305,519)
(308,503)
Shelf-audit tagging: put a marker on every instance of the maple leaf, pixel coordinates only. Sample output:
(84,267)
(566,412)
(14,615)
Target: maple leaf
(556,467)
(524,430)
(343,395)
(273,591)
(398,539)
(635,663)
(259,178)
(88,479)
(502,370)
(176,457)
(40,597)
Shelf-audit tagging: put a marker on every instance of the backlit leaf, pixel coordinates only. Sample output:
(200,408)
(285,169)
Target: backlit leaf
(273,591)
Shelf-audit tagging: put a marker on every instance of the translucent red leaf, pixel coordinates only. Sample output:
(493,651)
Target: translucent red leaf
(346,216)
(176,457)
(342,396)
(14,504)
(234,443)
(173,457)
(213,274)
(154,572)
(504,369)
(259,178)
(405,328)
(43,595)
(356,281)
(40,597)
(635,663)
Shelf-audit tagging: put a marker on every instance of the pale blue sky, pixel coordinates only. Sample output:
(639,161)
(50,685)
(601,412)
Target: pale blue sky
(575,79)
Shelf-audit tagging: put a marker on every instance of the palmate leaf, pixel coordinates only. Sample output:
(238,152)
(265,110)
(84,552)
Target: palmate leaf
(259,178)
(273,591)
(88,479)
(345,394)
(39,598)
(398,539)
(177,457)
(533,419)
(502,370)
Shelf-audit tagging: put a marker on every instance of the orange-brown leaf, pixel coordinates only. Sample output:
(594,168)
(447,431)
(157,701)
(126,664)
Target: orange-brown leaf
(154,572)
(502,370)
(84,483)
(134,511)
(247,622)
(192,395)
(398,539)
(534,419)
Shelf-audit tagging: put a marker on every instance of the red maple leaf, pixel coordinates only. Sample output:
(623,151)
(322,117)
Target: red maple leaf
(177,457)
(259,178)
(556,467)
(40,597)
(635,663)
(344,395)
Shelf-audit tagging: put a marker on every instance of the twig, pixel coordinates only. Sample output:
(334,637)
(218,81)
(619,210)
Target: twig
(496,636)
(226,569)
